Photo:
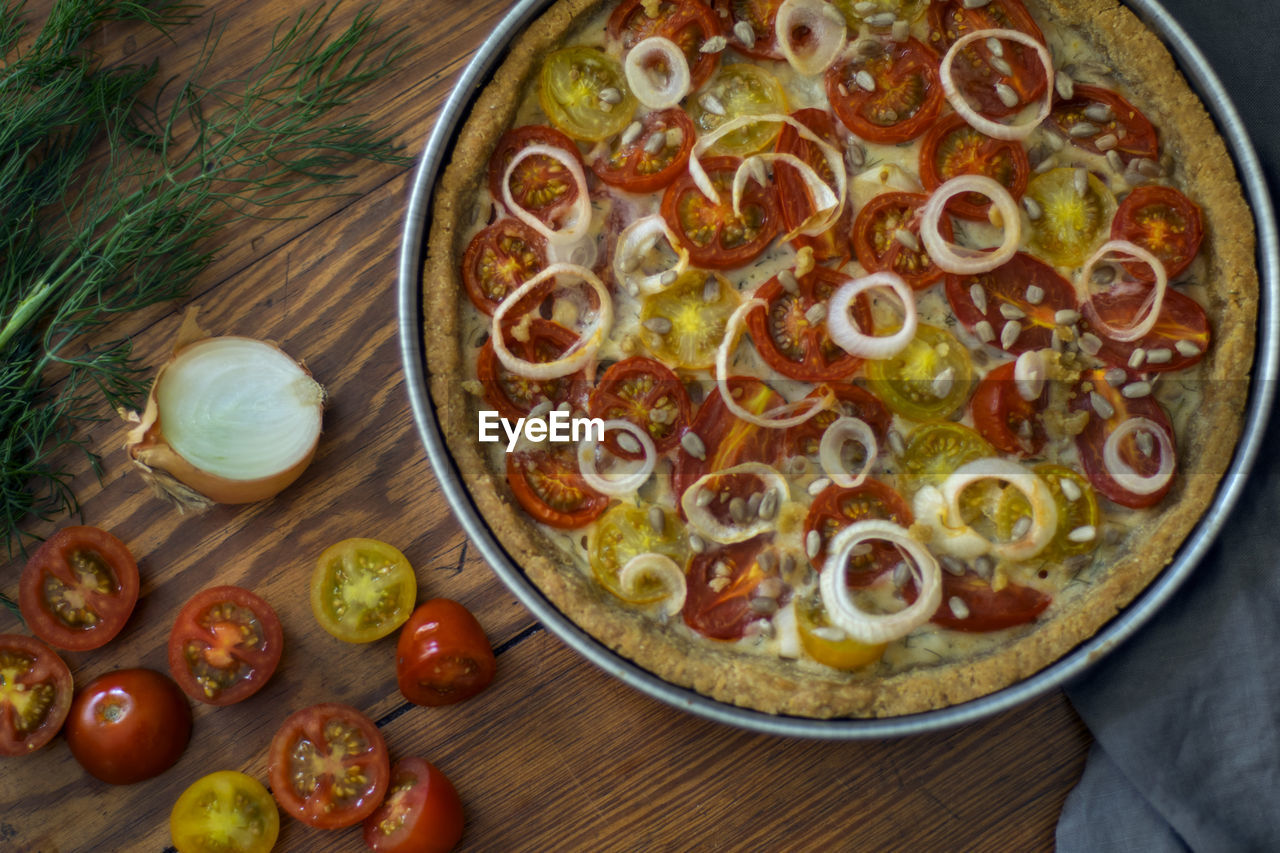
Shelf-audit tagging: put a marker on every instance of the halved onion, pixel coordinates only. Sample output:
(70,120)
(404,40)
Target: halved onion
(778,418)
(637,240)
(632,476)
(1148,312)
(841,431)
(1029,374)
(675,82)
(824,32)
(580,222)
(846,335)
(698,510)
(1122,473)
(826,204)
(659,567)
(228,420)
(976,120)
(959,260)
(870,628)
(589,339)
(938,507)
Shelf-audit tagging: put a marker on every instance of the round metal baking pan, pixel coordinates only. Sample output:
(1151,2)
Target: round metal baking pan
(436,156)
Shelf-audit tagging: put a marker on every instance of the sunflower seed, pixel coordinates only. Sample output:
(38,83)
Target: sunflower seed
(951,565)
(770,587)
(1104,274)
(900,31)
(788,565)
(768,505)
(1066,317)
(984,331)
(1159,355)
(768,561)
(1070,490)
(632,133)
(1135,390)
(1009,334)
(943,383)
(1034,211)
(1080,180)
(704,498)
(958,608)
(787,279)
(1115,377)
(813,544)
(1009,311)
(656,142)
(711,104)
(1001,66)
(889,116)
(1090,343)
(1034,294)
(1187,349)
(1137,358)
(696,543)
(628,442)
(1045,165)
(984,565)
(978,296)
(738,510)
(763,606)
(1106,142)
(1021,526)
(745,33)
(1081,129)
(1099,112)
(693,445)
(1064,85)
(1146,444)
(865,7)
(1100,405)
(816,314)
(907,240)
(855,155)
(717,584)
(658,325)
(1084,533)
(715,44)
(994,45)
(818,485)
(865,81)
(1114,161)
(610,95)
(901,574)
(975,4)
(721,569)
(880,19)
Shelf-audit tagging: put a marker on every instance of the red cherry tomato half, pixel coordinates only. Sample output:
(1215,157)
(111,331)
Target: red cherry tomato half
(726,439)
(78,588)
(886,237)
(128,725)
(716,237)
(952,148)
(35,694)
(836,508)
(1164,222)
(1090,443)
(443,655)
(904,101)
(761,17)
(1181,330)
(1111,118)
(637,169)
(328,766)
(644,391)
(500,258)
(721,583)
(515,396)
(793,344)
(985,608)
(548,483)
(421,814)
(225,645)
(540,184)
(977,70)
(1003,417)
(850,401)
(688,23)
(795,203)
(1011,284)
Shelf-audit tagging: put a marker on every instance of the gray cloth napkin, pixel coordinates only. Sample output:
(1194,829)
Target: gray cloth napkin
(1186,715)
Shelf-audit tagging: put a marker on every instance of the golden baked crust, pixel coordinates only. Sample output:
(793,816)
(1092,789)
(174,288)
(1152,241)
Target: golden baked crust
(1190,143)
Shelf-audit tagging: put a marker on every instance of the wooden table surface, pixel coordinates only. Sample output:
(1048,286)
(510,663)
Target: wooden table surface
(556,755)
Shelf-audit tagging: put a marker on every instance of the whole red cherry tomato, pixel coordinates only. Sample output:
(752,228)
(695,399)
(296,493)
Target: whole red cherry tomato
(421,814)
(443,655)
(128,725)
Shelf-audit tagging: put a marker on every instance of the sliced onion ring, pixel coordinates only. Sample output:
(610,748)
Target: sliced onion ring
(826,32)
(976,120)
(958,260)
(581,222)
(578,355)
(636,240)
(709,527)
(827,205)
(851,339)
(634,475)
(1125,476)
(1149,311)
(777,418)
(1029,375)
(641,80)
(939,508)
(834,438)
(878,628)
(658,567)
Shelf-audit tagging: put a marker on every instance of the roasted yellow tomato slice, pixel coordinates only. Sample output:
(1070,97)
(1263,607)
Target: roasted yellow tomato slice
(584,93)
(1074,215)
(1078,512)
(830,645)
(362,589)
(684,324)
(929,379)
(627,531)
(934,450)
(740,90)
(225,812)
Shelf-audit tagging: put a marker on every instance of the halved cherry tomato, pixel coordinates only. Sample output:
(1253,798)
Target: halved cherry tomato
(1181,321)
(362,589)
(35,694)
(225,645)
(1164,222)
(1091,441)
(760,16)
(78,589)
(977,70)
(684,323)
(514,396)
(576,89)
(128,725)
(790,341)
(224,812)
(829,645)
(443,655)
(856,12)
(636,167)
(1005,291)
(985,608)
(952,148)
(886,236)
(715,236)
(626,531)
(547,482)
(541,185)
(688,23)
(1003,417)
(328,766)
(795,202)
(645,392)
(421,814)
(905,99)
(836,508)
(726,439)
(850,400)
(934,450)
(721,583)
(929,379)
(741,90)
(1071,224)
(500,258)
(1093,107)
(1079,510)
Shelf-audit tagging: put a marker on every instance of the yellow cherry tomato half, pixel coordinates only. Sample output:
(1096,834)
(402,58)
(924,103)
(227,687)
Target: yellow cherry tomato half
(362,589)
(1075,215)
(1078,513)
(626,531)
(584,93)
(830,645)
(740,90)
(685,323)
(929,379)
(225,812)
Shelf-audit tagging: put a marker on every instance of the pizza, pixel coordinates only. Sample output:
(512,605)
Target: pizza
(845,359)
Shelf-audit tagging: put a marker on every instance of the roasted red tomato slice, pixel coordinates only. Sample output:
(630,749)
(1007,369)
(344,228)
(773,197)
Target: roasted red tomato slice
(722,581)
(329,766)
(1141,455)
(35,694)
(715,236)
(1179,338)
(1164,222)
(515,396)
(794,200)
(1096,115)
(1003,417)
(644,391)
(541,185)
(836,508)
(905,96)
(443,655)
(886,236)
(225,645)
(548,484)
(78,588)
(688,23)
(724,440)
(643,166)
(952,148)
(850,401)
(1025,291)
(128,725)
(792,339)
(760,16)
(977,70)
(499,259)
(980,607)
(421,814)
